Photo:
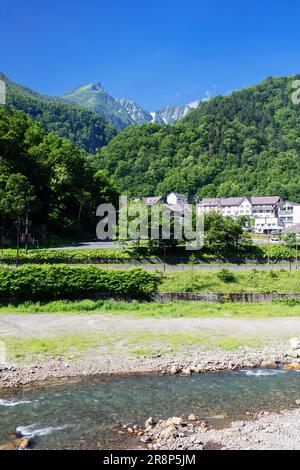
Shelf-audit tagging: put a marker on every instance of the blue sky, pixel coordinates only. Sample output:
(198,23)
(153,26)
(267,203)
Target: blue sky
(153,52)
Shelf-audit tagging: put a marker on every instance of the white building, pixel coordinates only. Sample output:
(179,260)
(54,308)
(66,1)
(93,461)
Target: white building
(265,206)
(289,213)
(268,225)
(177,199)
(230,206)
(264,209)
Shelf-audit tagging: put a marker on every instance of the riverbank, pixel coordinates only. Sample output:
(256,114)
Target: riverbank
(187,362)
(42,346)
(268,431)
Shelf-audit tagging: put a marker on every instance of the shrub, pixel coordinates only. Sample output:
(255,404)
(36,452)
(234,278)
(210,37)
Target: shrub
(82,255)
(62,281)
(289,302)
(226,276)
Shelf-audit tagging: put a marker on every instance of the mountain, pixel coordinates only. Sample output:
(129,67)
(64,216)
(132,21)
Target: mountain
(122,112)
(135,112)
(172,114)
(241,144)
(93,96)
(82,126)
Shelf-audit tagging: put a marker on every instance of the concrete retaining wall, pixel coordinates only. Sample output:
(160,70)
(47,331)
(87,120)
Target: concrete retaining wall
(220,297)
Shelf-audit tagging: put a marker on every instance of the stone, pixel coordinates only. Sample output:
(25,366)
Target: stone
(146,439)
(187,371)
(176,421)
(269,365)
(248,365)
(22,444)
(292,366)
(130,430)
(7,447)
(294,343)
(150,422)
(297,402)
(174,370)
(295,353)
(192,417)
(167,433)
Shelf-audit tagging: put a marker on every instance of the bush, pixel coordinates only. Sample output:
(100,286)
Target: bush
(226,276)
(289,302)
(82,255)
(59,282)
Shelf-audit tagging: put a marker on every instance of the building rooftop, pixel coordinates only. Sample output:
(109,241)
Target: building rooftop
(263,200)
(236,201)
(152,199)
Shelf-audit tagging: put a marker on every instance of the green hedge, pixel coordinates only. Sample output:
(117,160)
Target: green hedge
(61,281)
(82,255)
(113,255)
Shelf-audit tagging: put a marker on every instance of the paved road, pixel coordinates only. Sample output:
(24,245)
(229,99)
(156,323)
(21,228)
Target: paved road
(203,267)
(94,244)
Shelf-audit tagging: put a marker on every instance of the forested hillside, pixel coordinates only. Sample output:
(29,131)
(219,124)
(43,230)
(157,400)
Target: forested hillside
(47,177)
(83,127)
(248,142)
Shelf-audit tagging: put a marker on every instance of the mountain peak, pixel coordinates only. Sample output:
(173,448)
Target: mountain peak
(97,86)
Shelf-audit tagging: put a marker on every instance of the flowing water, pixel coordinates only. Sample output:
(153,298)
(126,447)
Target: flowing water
(89,413)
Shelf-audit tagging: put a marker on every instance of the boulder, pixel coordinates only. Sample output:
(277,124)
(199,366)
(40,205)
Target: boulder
(295,343)
(269,365)
(174,370)
(7,447)
(192,417)
(146,439)
(295,353)
(22,444)
(297,402)
(167,433)
(150,422)
(293,365)
(176,421)
(187,371)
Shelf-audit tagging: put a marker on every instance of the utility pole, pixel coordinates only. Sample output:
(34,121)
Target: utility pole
(2,236)
(18,239)
(26,234)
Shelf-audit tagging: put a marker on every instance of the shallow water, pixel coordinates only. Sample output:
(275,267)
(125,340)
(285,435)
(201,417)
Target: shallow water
(89,413)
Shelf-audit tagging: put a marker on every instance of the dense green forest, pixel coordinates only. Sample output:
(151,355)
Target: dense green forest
(47,177)
(83,127)
(245,143)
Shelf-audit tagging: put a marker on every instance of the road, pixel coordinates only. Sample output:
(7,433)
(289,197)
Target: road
(93,244)
(203,267)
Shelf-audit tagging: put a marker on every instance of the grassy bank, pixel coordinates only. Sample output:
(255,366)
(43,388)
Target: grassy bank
(158,310)
(27,350)
(282,281)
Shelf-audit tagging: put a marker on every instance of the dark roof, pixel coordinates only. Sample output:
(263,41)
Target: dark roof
(222,202)
(152,199)
(236,201)
(232,201)
(211,201)
(263,200)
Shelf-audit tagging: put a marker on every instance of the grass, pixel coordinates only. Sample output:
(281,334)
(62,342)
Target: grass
(158,310)
(26,349)
(282,281)
(140,344)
